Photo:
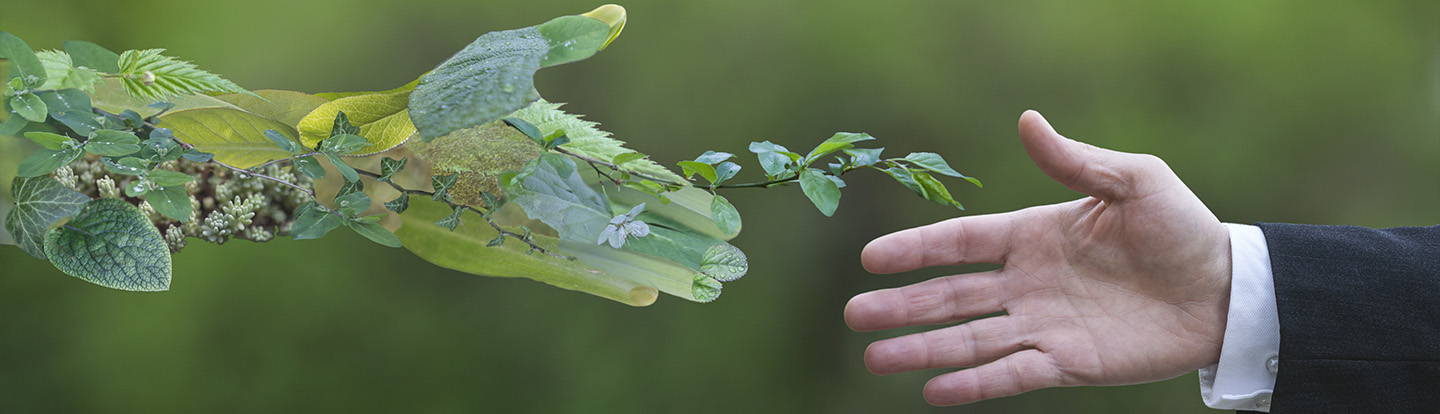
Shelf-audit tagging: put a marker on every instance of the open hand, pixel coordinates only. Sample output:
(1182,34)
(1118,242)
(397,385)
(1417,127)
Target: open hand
(1128,285)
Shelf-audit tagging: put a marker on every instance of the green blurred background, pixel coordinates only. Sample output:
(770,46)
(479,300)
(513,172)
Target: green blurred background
(1299,111)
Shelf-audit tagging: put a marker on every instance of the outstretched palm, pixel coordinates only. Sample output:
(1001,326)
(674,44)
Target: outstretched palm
(1128,285)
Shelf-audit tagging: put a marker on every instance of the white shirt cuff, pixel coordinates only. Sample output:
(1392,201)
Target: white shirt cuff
(1249,356)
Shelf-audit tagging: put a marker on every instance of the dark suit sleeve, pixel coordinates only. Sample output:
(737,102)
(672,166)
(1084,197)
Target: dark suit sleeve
(1359,318)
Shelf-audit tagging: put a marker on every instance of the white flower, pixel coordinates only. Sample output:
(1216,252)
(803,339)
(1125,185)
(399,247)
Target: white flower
(624,226)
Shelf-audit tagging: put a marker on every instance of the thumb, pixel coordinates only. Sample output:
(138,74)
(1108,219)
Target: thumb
(1094,171)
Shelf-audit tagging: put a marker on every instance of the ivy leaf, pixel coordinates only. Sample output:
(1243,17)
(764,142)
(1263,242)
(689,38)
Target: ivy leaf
(40,202)
(498,241)
(150,76)
(53,142)
(45,161)
(442,184)
(23,62)
(171,201)
(112,143)
(712,157)
(371,229)
(705,288)
(29,106)
(724,262)
(823,192)
(451,221)
(90,55)
(864,157)
(494,75)
(282,141)
(235,137)
(111,243)
(399,204)
(725,215)
(313,221)
(381,117)
(934,162)
(389,166)
(691,168)
(839,141)
(774,158)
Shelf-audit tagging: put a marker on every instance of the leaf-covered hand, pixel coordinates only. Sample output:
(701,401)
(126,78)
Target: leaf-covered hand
(1126,286)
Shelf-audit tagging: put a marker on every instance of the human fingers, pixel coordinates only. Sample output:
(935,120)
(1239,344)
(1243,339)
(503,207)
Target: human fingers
(966,345)
(939,300)
(1023,371)
(974,239)
(1102,173)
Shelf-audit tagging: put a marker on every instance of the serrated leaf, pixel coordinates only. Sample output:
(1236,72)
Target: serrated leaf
(29,106)
(61,73)
(839,141)
(724,262)
(150,76)
(111,243)
(171,201)
(40,202)
(399,204)
(821,191)
(375,232)
(112,143)
(725,215)
(589,141)
(288,107)
(313,222)
(53,142)
(235,137)
(705,288)
(45,161)
(23,63)
(112,97)
(494,75)
(90,55)
(382,118)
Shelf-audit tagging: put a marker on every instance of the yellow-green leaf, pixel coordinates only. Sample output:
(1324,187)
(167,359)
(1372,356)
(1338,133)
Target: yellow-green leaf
(382,117)
(287,107)
(235,137)
(110,96)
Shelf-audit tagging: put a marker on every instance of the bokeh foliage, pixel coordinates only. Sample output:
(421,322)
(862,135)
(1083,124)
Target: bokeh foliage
(1299,111)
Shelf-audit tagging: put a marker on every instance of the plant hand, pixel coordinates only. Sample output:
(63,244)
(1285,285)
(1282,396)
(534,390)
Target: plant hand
(1128,285)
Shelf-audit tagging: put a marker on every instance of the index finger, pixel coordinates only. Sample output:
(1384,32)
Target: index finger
(963,240)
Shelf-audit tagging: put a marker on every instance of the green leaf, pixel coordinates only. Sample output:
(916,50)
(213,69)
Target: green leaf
(112,97)
(150,76)
(112,143)
(389,166)
(345,170)
(111,243)
(839,141)
(442,184)
(14,123)
(566,204)
(399,204)
(235,137)
(93,56)
(45,161)
(934,162)
(823,192)
(310,167)
(282,141)
(494,75)
(288,107)
(451,221)
(373,231)
(53,142)
(612,15)
(725,215)
(935,191)
(381,117)
(689,207)
(171,201)
(72,108)
(563,165)
(29,106)
(343,144)
(691,168)
(775,159)
(166,178)
(706,289)
(724,262)
(864,157)
(126,166)
(623,158)
(726,171)
(40,202)
(313,221)
(712,157)
(353,204)
(137,188)
(904,176)
(194,155)
(528,129)
(23,63)
(60,73)
(587,140)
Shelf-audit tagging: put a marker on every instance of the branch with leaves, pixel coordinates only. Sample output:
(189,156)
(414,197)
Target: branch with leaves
(141,152)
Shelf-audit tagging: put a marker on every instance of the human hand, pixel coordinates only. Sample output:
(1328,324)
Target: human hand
(1128,285)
